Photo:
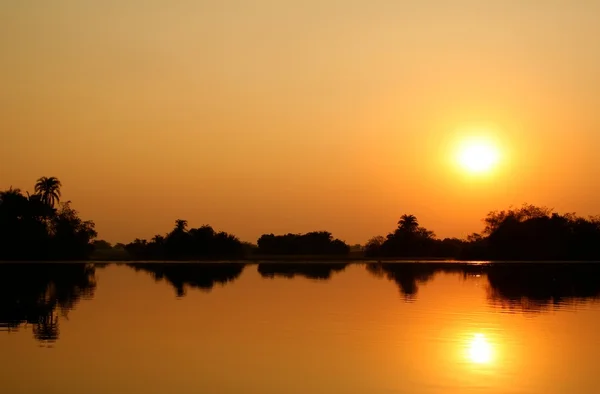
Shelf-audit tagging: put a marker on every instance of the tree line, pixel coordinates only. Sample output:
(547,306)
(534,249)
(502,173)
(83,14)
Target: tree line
(42,227)
(313,243)
(182,243)
(525,233)
(39,226)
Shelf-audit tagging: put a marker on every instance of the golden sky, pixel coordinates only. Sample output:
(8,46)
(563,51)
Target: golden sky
(291,116)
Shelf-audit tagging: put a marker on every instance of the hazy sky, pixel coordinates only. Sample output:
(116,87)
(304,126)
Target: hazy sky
(291,116)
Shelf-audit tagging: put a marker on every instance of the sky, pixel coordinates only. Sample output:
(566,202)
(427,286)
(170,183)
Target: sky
(269,116)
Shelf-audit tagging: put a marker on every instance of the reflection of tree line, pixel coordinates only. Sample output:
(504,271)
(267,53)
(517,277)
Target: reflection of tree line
(409,276)
(203,276)
(538,286)
(318,271)
(530,286)
(39,294)
(510,284)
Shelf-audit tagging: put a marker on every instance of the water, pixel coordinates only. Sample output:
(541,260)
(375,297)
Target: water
(293,328)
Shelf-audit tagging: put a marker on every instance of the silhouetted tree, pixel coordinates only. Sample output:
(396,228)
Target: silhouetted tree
(101,244)
(313,243)
(72,236)
(448,248)
(181,244)
(533,233)
(31,229)
(526,233)
(373,246)
(409,240)
(138,249)
(249,248)
(181,225)
(49,190)
(408,223)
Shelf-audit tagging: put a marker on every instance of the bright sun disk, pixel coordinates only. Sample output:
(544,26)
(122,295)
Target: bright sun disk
(478,156)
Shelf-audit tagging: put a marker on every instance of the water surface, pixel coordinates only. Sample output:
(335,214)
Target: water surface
(299,328)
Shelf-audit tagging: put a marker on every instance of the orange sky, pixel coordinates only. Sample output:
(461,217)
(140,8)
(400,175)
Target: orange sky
(271,116)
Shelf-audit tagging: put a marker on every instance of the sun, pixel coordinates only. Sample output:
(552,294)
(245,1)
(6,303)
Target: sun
(478,156)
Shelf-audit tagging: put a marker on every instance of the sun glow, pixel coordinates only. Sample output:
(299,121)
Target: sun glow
(480,350)
(478,156)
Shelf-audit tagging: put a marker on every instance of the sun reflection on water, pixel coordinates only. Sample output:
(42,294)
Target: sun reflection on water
(479,350)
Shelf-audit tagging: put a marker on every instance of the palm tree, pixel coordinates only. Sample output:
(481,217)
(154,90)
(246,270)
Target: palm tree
(181,225)
(408,223)
(49,190)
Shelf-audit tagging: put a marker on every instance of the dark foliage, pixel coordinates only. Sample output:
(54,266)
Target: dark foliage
(31,228)
(102,245)
(203,276)
(527,233)
(40,227)
(320,271)
(104,251)
(533,233)
(183,244)
(314,243)
(39,294)
(410,240)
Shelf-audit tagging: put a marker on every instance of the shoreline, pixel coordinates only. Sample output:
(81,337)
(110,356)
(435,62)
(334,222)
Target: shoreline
(306,260)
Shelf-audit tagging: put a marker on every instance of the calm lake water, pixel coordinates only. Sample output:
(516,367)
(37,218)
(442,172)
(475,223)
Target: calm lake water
(299,328)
